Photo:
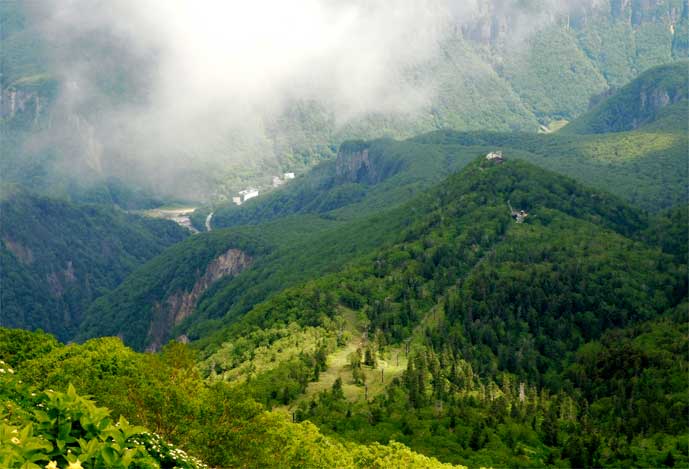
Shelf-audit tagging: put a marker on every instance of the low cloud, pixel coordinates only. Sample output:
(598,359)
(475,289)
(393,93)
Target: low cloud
(173,86)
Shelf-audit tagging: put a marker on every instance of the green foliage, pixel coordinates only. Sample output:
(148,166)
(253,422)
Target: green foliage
(17,345)
(57,257)
(668,231)
(497,312)
(59,430)
(163,392)
(640,102)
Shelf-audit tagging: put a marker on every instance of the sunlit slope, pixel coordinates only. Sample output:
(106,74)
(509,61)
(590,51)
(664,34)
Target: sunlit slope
(485,304)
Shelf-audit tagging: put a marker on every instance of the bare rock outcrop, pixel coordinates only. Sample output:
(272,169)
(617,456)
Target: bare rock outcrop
(180,305)
(22,253)
(59,280)
(353,164)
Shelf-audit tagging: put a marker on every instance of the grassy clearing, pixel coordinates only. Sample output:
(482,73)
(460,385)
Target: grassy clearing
(390,364)
(268,357)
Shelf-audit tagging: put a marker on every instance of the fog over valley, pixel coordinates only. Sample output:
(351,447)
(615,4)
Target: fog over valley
(188,98)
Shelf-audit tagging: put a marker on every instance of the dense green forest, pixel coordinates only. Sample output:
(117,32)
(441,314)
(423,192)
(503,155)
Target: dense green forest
(513,337)
(471,338)
(154,403)
(496,279)
(57,257)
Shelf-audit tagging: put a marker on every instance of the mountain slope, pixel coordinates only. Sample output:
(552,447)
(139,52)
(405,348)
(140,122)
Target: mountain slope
(144,309)
(485,304)
(645,100)
(57,257)
(346,208)
(373,175)
(222,427)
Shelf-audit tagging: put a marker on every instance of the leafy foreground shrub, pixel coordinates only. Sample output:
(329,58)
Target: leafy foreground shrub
(164,392)
(64,430)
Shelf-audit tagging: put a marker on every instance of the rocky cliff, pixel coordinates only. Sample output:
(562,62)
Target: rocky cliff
(499,21)
(14,101)
(180,305)
(650,97)
(353,163)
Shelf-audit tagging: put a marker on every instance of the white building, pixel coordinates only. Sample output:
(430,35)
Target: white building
(237,200)
(495,156)
(288,176)
(247,194)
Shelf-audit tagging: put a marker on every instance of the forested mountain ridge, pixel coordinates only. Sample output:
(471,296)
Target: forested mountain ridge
(363,199)
(645,100)
(294,250)
(489,190)
(371,175)
(498,342)
(499,317)
(57,257)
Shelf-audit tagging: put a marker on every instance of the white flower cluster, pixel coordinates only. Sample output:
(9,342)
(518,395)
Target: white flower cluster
(4,368)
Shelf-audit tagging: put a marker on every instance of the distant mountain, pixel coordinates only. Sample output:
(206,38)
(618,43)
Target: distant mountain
(57,257)
(625,145)
(490,74)
(349,207)
(659,94)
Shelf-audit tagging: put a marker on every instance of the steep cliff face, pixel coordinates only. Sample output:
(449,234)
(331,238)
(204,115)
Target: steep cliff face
(13,102)
(23,253)
(498,21)
(645,100)
(353,163)
(180,305)
(60,280)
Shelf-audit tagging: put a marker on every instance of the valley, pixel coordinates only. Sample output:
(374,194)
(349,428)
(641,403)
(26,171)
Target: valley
(481,263)
(179,215)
